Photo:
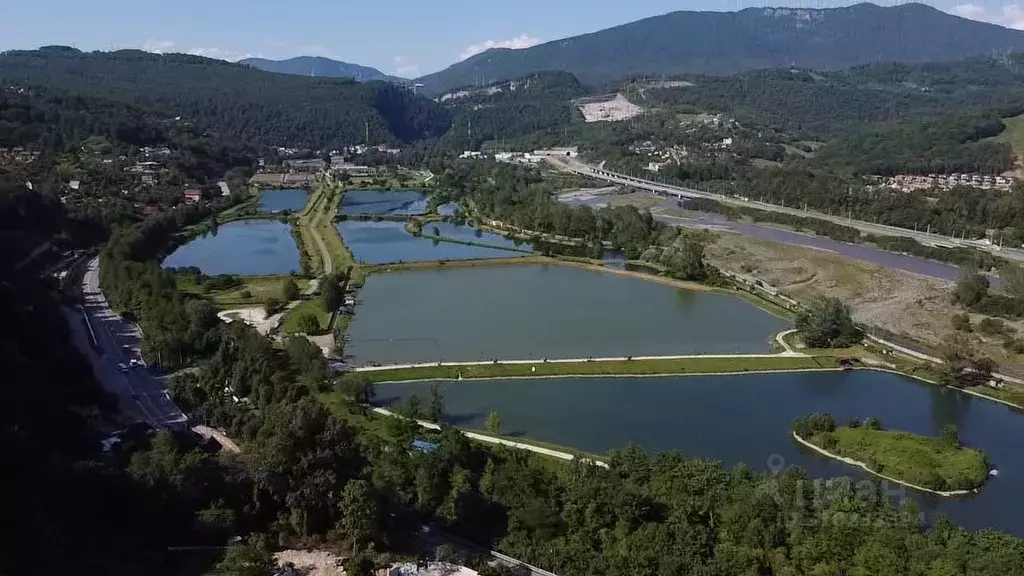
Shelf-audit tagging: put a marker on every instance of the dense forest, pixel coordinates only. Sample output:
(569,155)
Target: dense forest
(949,144)
(519,196)
(818,105)
(535,108)
(241,102)
(755,38)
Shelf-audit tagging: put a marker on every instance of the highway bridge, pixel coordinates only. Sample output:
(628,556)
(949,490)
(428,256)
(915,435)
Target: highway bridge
(682,193)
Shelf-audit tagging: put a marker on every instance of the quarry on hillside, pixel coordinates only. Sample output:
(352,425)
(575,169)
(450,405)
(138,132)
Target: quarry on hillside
(608,108)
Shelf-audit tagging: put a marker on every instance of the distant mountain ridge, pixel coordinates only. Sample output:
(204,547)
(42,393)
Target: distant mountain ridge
(733,42)
(320,67)
(238,101)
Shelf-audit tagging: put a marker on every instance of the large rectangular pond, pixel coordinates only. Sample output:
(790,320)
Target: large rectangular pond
(541,311)
(384,202)
(244,248)
(283,200)
(748,419)
(388,242)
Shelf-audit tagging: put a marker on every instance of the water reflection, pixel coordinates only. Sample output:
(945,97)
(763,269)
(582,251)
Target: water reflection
(747,419)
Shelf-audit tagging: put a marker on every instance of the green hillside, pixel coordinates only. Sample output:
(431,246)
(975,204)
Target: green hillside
(241,102)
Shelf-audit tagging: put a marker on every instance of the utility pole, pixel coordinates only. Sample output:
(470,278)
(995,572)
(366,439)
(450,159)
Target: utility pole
(366,126)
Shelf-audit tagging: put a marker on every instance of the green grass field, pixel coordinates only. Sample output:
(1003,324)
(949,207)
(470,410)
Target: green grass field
(919,460)
(696,365)
(290,322)
(1014,134)
(261,287)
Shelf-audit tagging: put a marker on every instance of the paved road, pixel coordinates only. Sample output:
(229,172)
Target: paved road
(140,392)
(867,227)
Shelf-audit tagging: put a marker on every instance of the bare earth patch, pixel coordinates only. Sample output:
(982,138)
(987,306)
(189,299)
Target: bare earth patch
(312,562)
(914,306)
(613,110)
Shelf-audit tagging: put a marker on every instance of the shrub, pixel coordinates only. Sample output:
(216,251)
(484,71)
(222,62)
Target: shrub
(272,305)
(991,326)
(308,323)
(961,322)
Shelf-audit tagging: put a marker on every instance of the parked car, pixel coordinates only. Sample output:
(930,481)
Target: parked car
(122,367)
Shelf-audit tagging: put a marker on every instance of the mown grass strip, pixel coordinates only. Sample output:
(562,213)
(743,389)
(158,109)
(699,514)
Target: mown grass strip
(696,365)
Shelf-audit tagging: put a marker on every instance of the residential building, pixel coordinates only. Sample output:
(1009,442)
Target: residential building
(193,195)
(353,169)
(312,165)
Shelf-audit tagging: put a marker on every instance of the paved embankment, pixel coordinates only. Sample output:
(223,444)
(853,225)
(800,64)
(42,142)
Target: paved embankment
(788,354)
(501,441)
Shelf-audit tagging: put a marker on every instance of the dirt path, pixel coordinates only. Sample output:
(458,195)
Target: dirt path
(312,220)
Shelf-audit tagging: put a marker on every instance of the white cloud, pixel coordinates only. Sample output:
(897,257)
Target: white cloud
(519,42)
(1013,16)
(221,54)
(168,46)
(158,46)
(1010,15)
(405,67)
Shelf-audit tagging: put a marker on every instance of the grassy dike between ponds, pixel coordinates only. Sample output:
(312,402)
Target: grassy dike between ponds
(696,365)
(919,462)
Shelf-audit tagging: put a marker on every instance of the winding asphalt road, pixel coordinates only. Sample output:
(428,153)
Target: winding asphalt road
(139,391)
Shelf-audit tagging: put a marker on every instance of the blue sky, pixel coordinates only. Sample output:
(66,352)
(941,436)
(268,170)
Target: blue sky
(405,37)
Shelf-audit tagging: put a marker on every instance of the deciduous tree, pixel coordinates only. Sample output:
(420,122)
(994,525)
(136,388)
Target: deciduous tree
(494,422)
(289,290)
(828,324)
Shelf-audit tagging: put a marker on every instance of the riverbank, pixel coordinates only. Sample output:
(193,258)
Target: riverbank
(862,465)
(615,367)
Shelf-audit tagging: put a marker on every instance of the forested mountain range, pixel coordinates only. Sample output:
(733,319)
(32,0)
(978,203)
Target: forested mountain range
(820,105)
(537,105)
(931,113)
(751,39)
(318,66)
(257,107)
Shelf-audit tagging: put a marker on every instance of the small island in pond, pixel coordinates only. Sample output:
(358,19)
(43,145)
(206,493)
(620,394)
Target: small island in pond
(939,465)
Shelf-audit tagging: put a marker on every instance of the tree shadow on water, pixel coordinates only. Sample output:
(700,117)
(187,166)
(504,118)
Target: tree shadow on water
(386,402)
(463,419)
